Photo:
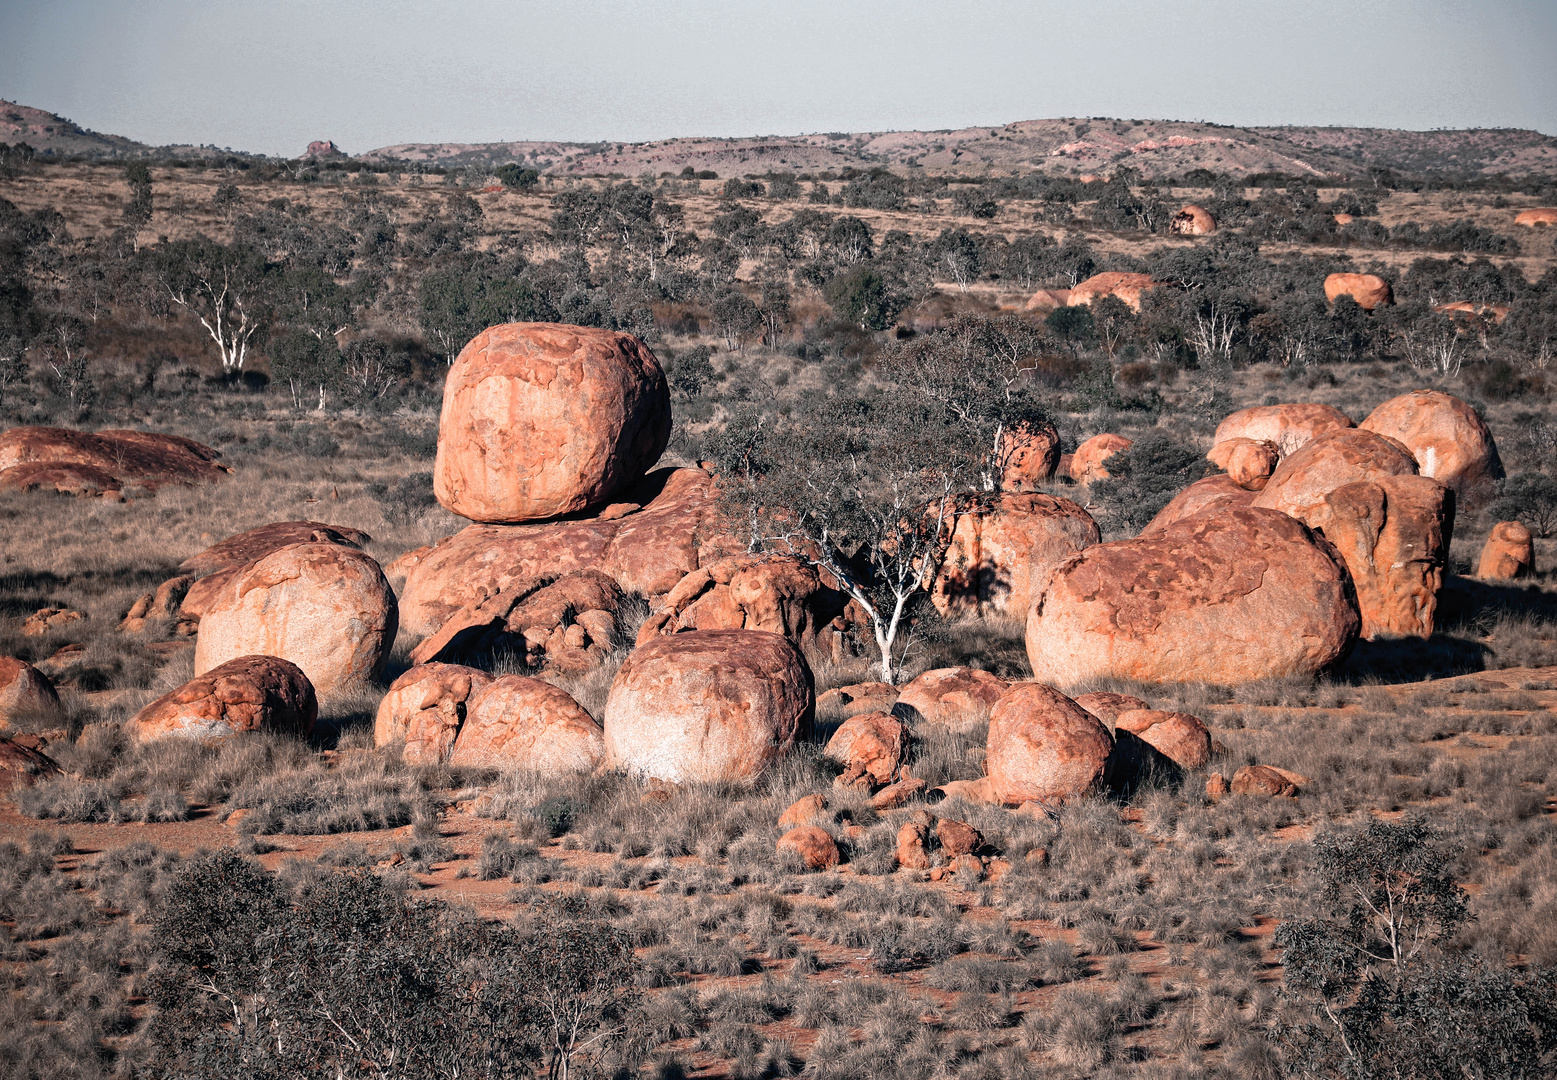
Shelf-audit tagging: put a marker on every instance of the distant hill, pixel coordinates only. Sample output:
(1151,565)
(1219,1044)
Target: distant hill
(48,133)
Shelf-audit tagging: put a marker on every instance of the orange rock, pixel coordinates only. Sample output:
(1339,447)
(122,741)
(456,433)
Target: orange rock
(1048,299)
(1127,287)
(49,619)
(238,551)
(965,866)
(776,593)
(912,837)
(325,607)
(1216,786)
(1509,553)
(1265,780)
(249,693)
(1107,706)
(960,698)
(1028,456)
(1212,493)
(957,837)
(894,795)
(997,553)
(803,811)
(814,846)
(1179,737)
(1287,427)
(1192,221)
(1043,747)
(424,709)
(1537,215)
(24,691)
(1448,440)
(519,723)
(1302,480)
(1343,219)
(870,745)
(1226,597)
(1089,463)
(1465,309)
(23,766)
(542,419)
(1247,462)
(1369,290)
(566,623)
(165,603)
(65,479)
(708,705)
(858,698)
(974,791)
(107,459)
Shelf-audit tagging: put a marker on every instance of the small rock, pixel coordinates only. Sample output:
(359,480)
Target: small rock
(895,795)
(1038,856)
(48,619)
(957,837)
(1216,786)
(966,866)
(812,844)
(1265,780)
(911,838)
(803,811)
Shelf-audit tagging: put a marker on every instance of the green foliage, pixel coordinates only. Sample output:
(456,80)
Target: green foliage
(308,364)
(407,498)
(1528,497)
(518,176)
(557,814)
(862,296)
(1072,324)
(692,371)
(1144,477)
(460,302)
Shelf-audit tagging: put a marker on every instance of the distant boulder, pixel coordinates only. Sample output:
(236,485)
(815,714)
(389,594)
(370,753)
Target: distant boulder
(249,693)
(1127,287)
(1369,290)
(1509,553)
(1192,221)
(1247,462)
(323,148)
(1088,463)
(1537,215)
(85,462)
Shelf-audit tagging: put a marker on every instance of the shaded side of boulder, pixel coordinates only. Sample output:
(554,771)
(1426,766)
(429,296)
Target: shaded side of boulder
(23,766)
(24,691)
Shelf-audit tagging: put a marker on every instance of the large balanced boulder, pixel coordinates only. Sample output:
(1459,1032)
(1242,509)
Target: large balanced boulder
(1090,461)
(249,693)
(1212,492)
(1394,533)
(106,460)
(425,708)
(1227,596)
(1193,221)
(1287,427)
(519,723)
(1029,454)
(542,419)
(1127,287)
(957,697)
(1369,290)
(776,593)
(1449,441)
(1043,747)
(997,552)
(24,691)
(325,607)
(1247,462)
(1508,553)
(667,526)
(710,706)
(1301,482)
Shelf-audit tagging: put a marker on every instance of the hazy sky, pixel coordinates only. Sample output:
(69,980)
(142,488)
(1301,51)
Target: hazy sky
(269,75)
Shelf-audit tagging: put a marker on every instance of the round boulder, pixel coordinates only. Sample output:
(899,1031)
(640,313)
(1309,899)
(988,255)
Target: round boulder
(1247,462)
(1179,737)
(24,691)
(1448,440)
(1043,747)
(869,746)
(1127,287)
(1227,596)
(1193,221)
(1369,290)
(1287,427)
(519,723)
(1029,455)
(709,706)
(249,693)
(1089,462)
(325,607)
(1301,482)
(1537,215)
(998,552)
(542,419)
(424,709)
(815,847)
(958,697)
(1509,553)
(1211,493)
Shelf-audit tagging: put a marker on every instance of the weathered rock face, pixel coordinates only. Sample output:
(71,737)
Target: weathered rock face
(1028,456)
(1449,441)
(912,840)
(1107,707)
(1509,553)
(1394,534)
(1213,492)
(425,708)
(65,479)
(815,847)
(1301,482)
(541,419)
(1288,427)
(1179,737)
(249,693)
(675,529)
(858,698)
(1088,464)
(869,747)
(957,697)
(710,706)
(1247,462)
(1369,290)
(1043,747)
(23,766)
(165,603)
(803,811)
(325,607)
(24,691)
(239,550)
(1266,780)
(776,593)
(105,460)
(996,555)
(519,723)
(1227,596)
(1537,215)
(1127,287)
(957,837)
(1193,221)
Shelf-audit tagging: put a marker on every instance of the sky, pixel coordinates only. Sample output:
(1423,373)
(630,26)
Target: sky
(268,76)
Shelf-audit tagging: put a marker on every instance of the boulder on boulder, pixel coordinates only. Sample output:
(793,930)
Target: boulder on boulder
(997,552)
(519,723)
(707,706)
(1179,737)
(776,593)
(543,419)
(1302,480)
(1127,287)
(1089,463)
(24,692)
(1247,462)
(425,708)
(959,698)
(1369,290)
(1192,221)
(1227,596)
(143,459)
(1211,493)
(1029,454)
(249,693)
(1509,553)
(1043,747)
(869,747)
(1287,427)
(1448,440)
(325,607)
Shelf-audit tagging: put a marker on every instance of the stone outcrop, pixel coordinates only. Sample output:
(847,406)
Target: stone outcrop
(325,607)
(1228,596)
(1127,287)
(858,698)
(1029,456)
(542,419)
(1508,553)
(1537,215)
(1179,737)
(707,706)
(105,460)
(568,623)
(997,553)
(1089,462)
(1193,221)
(1212,493)
(1287,427)
(24,691)
(519,723)
(48,620)
(1448,440)
(1369,290)
(776,593)
(1043,747)
(165,603)
(1247,462)
(249,693)
(958,697)
(1048,300)
(425,708)
(1303,479)
(870,748)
